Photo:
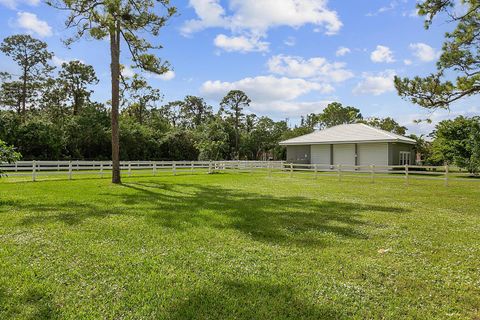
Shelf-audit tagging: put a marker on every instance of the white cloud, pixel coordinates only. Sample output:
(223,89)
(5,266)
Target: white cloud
(58,61)
(407,62)
(254,18)
(317,68)
(290,41)
(167,76)
(341,51)
(127,71)
(13,4)
(392,5)
(31,23)
(251,19)
(376,84)
(240,43)
(210,14)
(424,52)
(413,13)
(265,88)
(382,54)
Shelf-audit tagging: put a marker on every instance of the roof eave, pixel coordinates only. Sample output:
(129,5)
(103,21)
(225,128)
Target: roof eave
(286,143)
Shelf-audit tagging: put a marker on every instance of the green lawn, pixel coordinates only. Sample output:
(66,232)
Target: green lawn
(239,246)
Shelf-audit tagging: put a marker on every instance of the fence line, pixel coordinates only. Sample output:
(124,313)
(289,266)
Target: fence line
(71,168)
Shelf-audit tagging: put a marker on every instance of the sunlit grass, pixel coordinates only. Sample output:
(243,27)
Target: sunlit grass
(239,246)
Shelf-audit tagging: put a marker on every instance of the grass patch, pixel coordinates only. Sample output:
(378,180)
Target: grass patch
(239,246)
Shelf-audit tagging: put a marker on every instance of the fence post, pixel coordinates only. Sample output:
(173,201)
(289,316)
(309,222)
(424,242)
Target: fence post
(339,170)
(174,168)
(191,165)
(372,170)
(406,174)
(101,169)
(34,170)
(291,170)
(316,170)
(16,166)
(77,165)
(210,166)
(154,168)
(446,175)
(269,168)
(70,170)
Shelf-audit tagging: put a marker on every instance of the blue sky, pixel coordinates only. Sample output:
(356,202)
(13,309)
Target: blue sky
(291,57)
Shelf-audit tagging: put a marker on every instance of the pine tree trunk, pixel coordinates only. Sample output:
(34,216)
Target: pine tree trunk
(76,104)
(24,93)
(115,72)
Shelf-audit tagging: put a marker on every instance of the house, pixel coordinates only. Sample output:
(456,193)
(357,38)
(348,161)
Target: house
(351,144)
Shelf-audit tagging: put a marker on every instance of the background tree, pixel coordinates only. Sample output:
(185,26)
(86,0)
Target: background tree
(424,148)
(87,134)
(335,114)
(120,20)
(260,142)
(233,105)
(460,55)
(8,153)
(76,77)
(141,98)
(195,111)
(11,95)
(387,124)
(212,140)
(250,122)
(458,142)
(172,111)
(32,56)
(54,100)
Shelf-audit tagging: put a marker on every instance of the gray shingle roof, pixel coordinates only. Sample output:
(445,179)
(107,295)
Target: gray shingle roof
(348,133)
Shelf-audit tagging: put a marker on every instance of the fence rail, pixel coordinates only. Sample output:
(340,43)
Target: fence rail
(72,168)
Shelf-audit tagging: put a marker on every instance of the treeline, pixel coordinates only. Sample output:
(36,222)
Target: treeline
(48,113)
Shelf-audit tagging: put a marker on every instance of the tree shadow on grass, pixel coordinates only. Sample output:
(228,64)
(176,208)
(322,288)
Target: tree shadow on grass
(263,217)
(247,300)
(279,220)
(35,304)
(70,213)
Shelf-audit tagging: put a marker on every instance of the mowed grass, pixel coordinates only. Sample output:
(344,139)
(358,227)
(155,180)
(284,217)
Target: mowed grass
(239,246)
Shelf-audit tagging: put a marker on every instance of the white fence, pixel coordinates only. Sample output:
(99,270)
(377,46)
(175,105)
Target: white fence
(69,169)
(405,172)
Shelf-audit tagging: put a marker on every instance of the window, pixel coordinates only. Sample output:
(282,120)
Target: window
(404,158)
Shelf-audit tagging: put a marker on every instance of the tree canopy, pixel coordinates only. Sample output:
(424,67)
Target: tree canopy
(33,58)
(460,56)
(8,153)
(458,142)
